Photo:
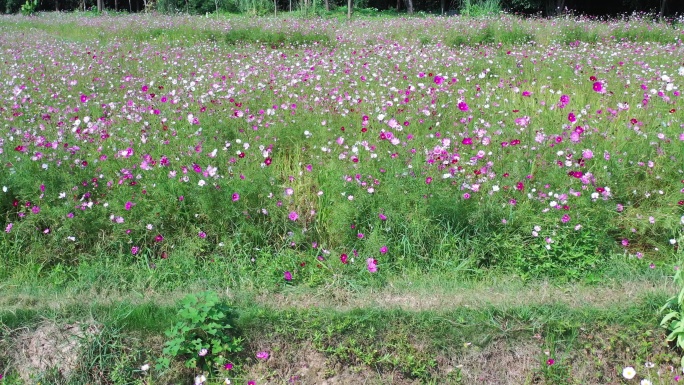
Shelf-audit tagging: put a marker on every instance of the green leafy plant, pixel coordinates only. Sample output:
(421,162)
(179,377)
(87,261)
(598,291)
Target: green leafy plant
(29,7)
(673,320)
(204,334)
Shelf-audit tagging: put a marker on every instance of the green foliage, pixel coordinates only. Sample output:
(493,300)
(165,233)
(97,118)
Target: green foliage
(480,8)
(204,335)
(278,38)
(563,253)
(523,5)
(581,33)
(673,320)
(491,33)
(29,7)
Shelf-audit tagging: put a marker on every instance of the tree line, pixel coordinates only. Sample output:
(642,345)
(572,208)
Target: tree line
(610,8)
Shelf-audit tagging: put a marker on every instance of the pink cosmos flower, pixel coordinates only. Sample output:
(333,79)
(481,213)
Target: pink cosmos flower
(383,250)
(372,265)
(236,197)
(262,355)
(463,106)
(288,276)
(523,121)
(293,216)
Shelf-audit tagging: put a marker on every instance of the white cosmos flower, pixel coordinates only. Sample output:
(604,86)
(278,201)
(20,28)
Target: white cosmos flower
(628,372)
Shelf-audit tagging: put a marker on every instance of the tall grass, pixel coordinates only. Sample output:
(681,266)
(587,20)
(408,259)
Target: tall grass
(480,8)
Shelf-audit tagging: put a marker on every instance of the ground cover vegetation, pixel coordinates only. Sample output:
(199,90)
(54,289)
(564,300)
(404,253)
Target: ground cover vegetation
(307,200)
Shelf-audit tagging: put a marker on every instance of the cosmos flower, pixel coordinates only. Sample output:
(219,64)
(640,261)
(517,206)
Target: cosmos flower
(628,372)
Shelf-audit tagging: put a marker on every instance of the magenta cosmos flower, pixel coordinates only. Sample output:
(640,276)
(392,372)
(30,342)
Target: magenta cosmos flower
(598,87)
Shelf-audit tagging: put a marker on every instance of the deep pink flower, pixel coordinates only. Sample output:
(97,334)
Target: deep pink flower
(598,87)
(288,276)
(134,250)
(262,355)
(236,197)
(463,106)
(344,259)
(383,250)
(293,216)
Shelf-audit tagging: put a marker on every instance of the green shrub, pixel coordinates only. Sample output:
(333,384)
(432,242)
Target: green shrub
(204,335)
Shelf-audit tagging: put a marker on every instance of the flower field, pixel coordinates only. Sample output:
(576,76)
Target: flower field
(147,153)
